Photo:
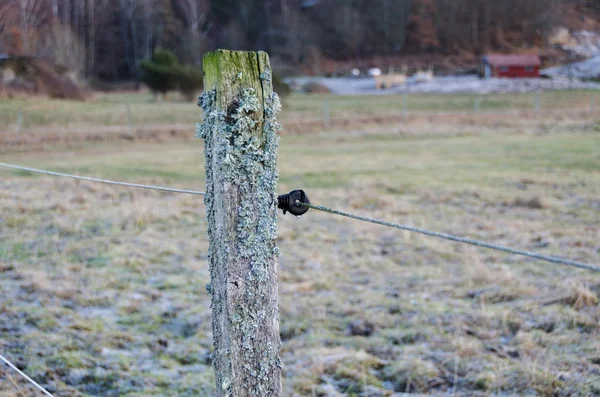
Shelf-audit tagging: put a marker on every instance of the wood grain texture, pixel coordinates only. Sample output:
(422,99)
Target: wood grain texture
(241,168)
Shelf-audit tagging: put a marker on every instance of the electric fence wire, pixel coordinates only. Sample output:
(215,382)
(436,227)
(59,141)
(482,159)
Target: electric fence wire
(106,181)
(25,376)
(464,240)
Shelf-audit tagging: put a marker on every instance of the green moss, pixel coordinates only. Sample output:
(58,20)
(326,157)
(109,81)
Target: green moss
(71,360)
(411,375)
(16,251)
(43,320)
(240,136)
(485,381)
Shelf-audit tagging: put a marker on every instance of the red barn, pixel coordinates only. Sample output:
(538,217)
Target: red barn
(513,65)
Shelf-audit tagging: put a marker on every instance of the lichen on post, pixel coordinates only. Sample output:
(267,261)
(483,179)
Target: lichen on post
(240,136)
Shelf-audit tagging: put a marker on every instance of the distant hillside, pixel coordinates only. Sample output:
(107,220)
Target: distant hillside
(427,43)
(110,39)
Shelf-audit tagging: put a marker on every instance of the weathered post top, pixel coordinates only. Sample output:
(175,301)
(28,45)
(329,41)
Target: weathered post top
(222,70)
(240,135)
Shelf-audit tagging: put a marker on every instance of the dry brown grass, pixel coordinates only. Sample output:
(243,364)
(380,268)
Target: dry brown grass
(103,287)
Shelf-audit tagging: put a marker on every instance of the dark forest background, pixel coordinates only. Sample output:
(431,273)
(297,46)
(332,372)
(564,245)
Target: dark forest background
(109,39)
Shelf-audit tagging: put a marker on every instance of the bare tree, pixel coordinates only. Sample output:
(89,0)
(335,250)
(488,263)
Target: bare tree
(4,16)
(97,10)
(195,13)
(67,11)
(295,29)
(78,15)
(129,32)
(349,26)
(55,9)
(30,18)
(148,7)
(61,46)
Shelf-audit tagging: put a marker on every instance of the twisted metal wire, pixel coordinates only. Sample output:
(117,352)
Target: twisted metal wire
(85,178)
(464,240)
(25,376)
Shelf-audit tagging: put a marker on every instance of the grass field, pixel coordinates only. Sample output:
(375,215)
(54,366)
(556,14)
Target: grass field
(103,287)
(137,109)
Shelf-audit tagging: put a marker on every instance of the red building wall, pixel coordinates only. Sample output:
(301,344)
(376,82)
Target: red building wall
(516,71)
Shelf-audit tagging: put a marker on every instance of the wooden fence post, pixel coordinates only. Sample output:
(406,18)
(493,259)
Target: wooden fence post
(130,120)
(477,105)
(20,121)
(240,134)
(326,114)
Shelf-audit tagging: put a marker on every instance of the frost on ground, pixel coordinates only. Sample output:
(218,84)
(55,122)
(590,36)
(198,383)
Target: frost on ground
(103,288)
(446,85)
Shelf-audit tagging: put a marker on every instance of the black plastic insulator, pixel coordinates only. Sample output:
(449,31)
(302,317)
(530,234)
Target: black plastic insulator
(287,202)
